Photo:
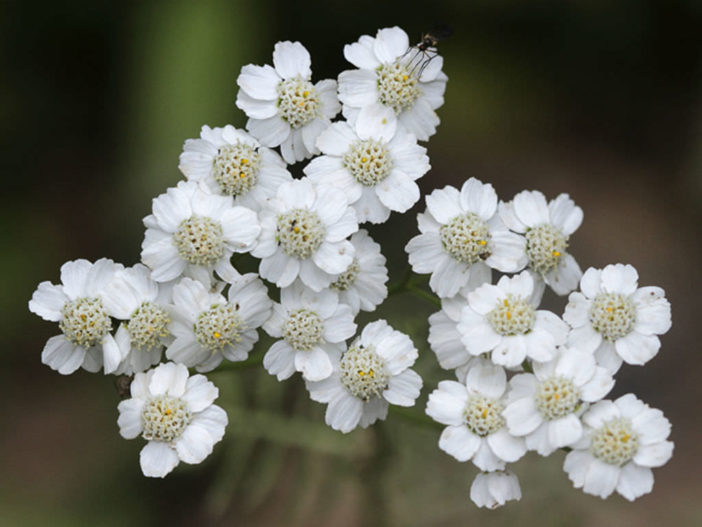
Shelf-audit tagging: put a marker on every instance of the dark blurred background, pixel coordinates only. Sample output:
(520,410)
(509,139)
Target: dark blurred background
(599,99)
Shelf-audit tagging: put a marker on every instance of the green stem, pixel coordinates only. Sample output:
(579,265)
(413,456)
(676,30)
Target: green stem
(426,295)
(399,287)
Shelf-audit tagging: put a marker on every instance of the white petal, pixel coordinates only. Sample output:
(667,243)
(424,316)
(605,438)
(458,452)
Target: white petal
(565,215)
(335,140)
(358,88)
(291,59)
(344,412)
(315,365)
(522,416)
(634,481)
(601,479)
(375,120)
(271,132)
(129,420)
(260,82)
(199,393)
(254,108)
(590,282)
(636,348)
(531,208)
(447,403)
(280,360)
(654,455)
(62,355)
(487,378)
(444,204)
(390,43)
(652,311)
(169,379)
(459,442)
(564,431)
(47,301)
(194,444)
(398,192)
(506,446)
(577,311)
(403,389)
(157,459)
(619,278)
(479,198)
(486,460)
(360,53)
(73,277)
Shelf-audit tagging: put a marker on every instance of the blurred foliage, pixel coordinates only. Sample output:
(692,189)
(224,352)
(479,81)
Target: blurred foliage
(600,99)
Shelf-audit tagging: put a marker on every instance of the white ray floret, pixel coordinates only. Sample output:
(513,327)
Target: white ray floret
(283,106)
(547,228)
(392,75)
(444,338)
(494,489)
(209,327)
(132,296)
(191,231)
(623,440)
(614,318)
(303,234)
(461,232)
(376,170)
(230,162)
(175,414)
(373,372)
(544,407)
(78,305)
(502,319)
(362,285)
(472,411)
(314,328)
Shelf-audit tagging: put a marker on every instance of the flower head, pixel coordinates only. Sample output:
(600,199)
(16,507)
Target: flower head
(623,440)
(283,106)
(544,407)
(461,232)
(191,230)
(394,76)
(175,414)
(547,228)
(615,318)
(303,234)
(373,372)
(376,171)
(209,327)
(473,412)
(503,319)
(78,305)
(230,162)
(132,296)
(313,327)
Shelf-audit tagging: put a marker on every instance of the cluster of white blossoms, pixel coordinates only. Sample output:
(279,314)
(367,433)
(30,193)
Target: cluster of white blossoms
(560,367)
(528,379)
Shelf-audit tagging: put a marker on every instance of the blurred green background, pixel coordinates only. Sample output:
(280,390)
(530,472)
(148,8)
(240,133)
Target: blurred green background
(600,99)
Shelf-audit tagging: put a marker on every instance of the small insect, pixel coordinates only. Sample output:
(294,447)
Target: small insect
(122,385)
(292,225)
(484,256)
(426,50)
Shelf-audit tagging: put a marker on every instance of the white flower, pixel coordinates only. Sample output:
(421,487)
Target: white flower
(461,232)
(614,318)
(283,106)
(544,406)
(494,489)
(232,163)
(314,328)
(362,285)
(374,371)
(444,338)
(134,297)
(392,75)
(473,412)
(303,234)
(175,414)
(191,231)
(209,327)
(547,228)
(622,441)
(503,319)
(77,304)
(376,171)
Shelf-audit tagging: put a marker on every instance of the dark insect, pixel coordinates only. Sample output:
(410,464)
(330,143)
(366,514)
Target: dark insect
(485,255)
(421,54)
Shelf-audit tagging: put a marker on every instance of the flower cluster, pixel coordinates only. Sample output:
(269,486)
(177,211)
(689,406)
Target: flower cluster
(528,379)
(560,367)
